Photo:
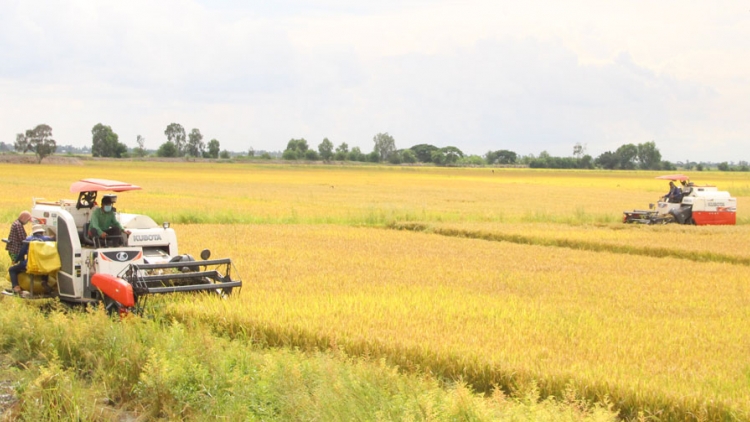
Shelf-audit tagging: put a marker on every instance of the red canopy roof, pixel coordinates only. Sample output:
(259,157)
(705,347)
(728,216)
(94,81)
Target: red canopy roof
(680,177)
(88,185)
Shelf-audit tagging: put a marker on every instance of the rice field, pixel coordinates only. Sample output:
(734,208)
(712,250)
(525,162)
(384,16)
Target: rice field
(504,277)
(358,195)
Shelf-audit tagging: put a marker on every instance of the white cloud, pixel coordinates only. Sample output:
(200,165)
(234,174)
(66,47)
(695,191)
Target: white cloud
(479,75)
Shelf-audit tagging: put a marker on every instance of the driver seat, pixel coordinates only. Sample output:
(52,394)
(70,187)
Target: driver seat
(85,238)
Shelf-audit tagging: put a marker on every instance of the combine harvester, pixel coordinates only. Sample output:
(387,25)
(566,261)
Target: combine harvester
(120,270)
(699,205)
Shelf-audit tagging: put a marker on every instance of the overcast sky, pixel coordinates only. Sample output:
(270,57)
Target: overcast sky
(480,75)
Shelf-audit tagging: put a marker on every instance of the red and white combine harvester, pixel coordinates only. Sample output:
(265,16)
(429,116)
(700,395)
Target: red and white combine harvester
(693,204)
(120,270)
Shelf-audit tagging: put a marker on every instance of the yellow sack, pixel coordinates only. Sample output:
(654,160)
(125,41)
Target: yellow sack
(24,280)
(43,258)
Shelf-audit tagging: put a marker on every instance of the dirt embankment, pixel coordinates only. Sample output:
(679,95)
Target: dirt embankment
(31,159)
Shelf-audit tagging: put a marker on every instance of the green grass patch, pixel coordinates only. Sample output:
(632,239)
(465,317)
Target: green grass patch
(70,365)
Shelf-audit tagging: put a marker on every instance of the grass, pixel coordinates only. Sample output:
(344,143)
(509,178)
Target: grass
(85,366)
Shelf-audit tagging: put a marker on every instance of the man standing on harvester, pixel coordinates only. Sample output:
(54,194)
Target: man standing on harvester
(104,222)
(17,235)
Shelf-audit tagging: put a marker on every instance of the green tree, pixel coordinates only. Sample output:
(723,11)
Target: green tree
(472,160)
(106,143)
(21,144)
(326,149)
(666,165)
(626,156)
(607,160)
(408,156)
(295,149)
(225,155)
(38,140)
(213,148)
(505,156)
(586,162)
(290,154)
(424,152)
(385,145)
(342,152)
(502,156)
(395,157)
(452,155)
(311,155)
(299,145)
(579,150)
(195,145)
(438,157)
(167,149)
(356,155)
(649,157)
(175,133)
(140,151)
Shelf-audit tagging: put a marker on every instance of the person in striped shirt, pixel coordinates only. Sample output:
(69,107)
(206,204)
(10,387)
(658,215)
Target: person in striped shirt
(17,235)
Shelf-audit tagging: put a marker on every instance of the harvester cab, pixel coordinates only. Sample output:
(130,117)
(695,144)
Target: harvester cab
(699,205)
(119,270)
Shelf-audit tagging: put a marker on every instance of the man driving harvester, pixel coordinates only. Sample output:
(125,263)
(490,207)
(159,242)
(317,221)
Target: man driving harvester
(104,224)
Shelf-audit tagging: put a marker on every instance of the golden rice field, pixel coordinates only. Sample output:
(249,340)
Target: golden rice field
(701,243)
(506,277)
(358,195)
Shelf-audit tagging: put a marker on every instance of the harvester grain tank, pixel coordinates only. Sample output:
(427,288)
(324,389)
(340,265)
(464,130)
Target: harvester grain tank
(696,204)
(121,270)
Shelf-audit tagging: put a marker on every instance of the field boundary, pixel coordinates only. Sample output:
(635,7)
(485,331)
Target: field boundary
(648,251)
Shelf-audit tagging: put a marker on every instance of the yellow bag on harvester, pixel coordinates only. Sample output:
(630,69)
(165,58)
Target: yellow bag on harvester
(24,280)
(43,258)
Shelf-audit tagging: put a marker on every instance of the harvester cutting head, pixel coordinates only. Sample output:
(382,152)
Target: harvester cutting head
(126,291)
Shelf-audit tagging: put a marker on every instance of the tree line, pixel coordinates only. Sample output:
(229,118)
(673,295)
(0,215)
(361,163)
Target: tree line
(179,143)
(105,143)
(645,156)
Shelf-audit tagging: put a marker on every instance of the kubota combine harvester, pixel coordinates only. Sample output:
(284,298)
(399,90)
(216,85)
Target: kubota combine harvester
(699,205)
(119,270)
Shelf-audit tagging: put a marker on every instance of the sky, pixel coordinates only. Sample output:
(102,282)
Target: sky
(480,75)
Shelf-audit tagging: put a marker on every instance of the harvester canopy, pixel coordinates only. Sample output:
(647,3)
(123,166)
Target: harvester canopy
(87,190)
(674,177)
(96,185)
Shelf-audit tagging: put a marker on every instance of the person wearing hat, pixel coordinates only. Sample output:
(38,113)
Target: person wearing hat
(37,235)
(17,235)
(104,222)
